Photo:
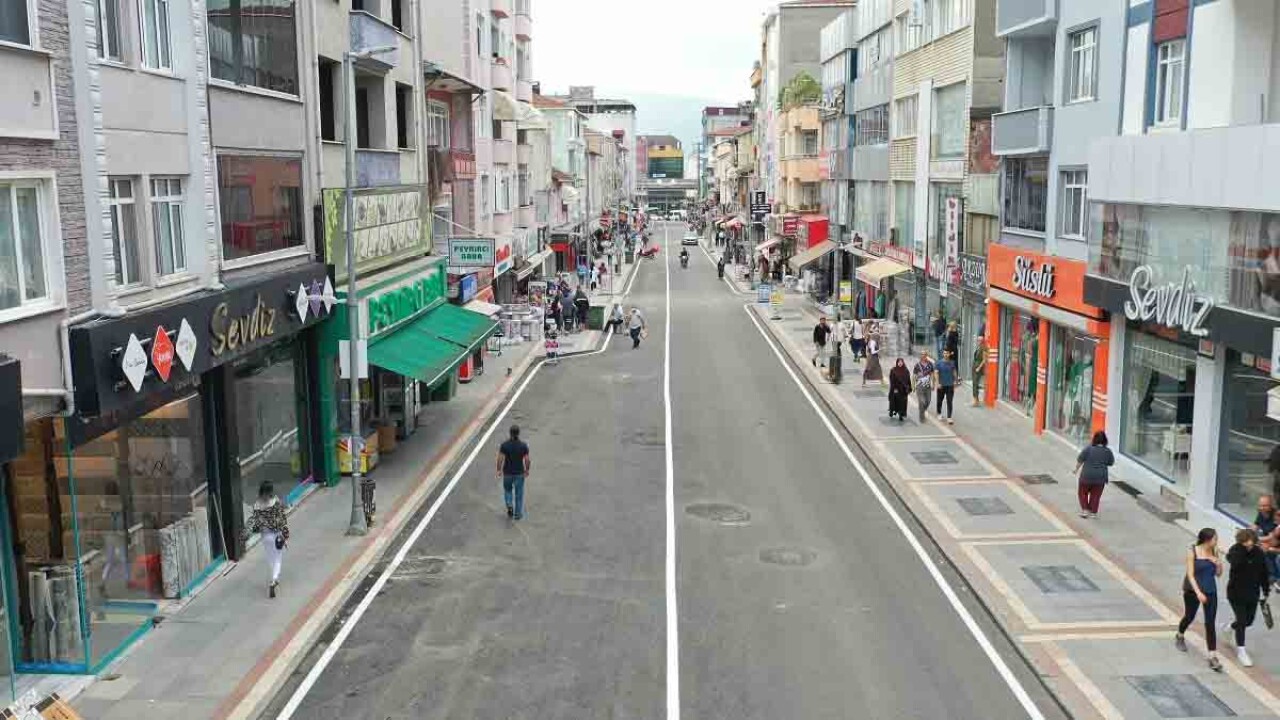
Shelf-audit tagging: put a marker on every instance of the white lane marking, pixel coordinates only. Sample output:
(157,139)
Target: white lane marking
(1006,674)
(673,618)
(732,288)
(310,680)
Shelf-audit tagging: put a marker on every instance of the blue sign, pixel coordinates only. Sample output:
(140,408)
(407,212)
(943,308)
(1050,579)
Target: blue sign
(762,292)
(466,288)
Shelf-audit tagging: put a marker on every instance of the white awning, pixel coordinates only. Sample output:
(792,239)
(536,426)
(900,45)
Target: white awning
(533,263)
(484,308)
(765,246)
(568,193)
(529,117)
(817,251)
(873,273)
(505,106)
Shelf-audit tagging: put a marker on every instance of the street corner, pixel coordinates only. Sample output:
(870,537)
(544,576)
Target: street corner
(1139,676)
(977,510)
(1065,585)
(936,458)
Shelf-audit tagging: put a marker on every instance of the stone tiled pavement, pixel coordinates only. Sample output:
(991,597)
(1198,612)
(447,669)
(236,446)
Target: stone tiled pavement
(1093,602)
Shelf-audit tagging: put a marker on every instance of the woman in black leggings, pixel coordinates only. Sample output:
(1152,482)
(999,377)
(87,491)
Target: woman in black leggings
(1200,587)
(1248,584)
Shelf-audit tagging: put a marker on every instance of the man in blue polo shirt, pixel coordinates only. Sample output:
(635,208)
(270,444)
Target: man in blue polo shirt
(513,467)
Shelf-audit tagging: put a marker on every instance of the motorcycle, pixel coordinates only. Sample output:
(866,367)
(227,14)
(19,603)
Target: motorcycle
(684,260)
(649,252)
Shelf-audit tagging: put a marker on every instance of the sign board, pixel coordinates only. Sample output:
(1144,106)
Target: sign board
(758,198)
(1275,354)
(503,259)
(162,353)
(344,359)
(973,273)
(775,301)
(471,252)
(790,226)
(762,292)
(1174,305)
(390,307)
(846,292)
(899,254)
(952,232)
(391,225)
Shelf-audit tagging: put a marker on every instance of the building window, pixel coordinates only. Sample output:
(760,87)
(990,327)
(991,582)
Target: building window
(810,195)
(166,213)
(948,16)
(109,29)
(809,142)
(871,209)
(1249,438)
(904,116)
(483,125)
(938,195)
(1082,78)
(397,15)
(871,126)
(1075,203)
(1026,193)
(329,73)
(404,116)
(904,212)
(155,34)
(253,42)
(124,231)
(486,197)
(437,124)
(23,276)
(479,35)
(15,21)
(525,194)
(910,32)
(1158,403)
(1169,70)
(949,120)
(260,199)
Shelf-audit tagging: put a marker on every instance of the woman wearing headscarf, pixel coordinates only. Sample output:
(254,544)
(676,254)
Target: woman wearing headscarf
(872,370)
(899,389)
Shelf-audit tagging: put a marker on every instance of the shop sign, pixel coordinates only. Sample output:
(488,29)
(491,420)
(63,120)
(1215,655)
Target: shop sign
(232,330)
(846,291)
(471,252)
(468,286)
(973,272)
(185,345)
(953,230)
(133,362)
(899,254)
(790,225)
(162,353)
(875,247)
(389,308)
(1174,305)
(389,227)
(762,292)
(1032,280)
(502,259)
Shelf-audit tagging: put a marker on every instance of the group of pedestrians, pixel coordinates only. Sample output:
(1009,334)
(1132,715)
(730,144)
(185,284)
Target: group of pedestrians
(1249,586)
(930,381)
(568,308)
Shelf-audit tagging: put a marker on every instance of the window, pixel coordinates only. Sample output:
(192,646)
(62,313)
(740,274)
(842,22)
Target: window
(1082,76)
(397,15)
(1075,203)
(483,125)
(437,124)
(166,214)
(109,29)
(1169,70)
(872,126)
(1026,191)
(809,142)
(22,236)
(328,73)
(904,116)
(253,42)
(261,204)
(910,33)
(124,231)
(503,202)
(904,212)
(362,117)
(810,195)
(871,209)
(479,35)
(522,188)
(486,197)
(404,115)
(938,195)
(155,34)
(495,40)
(949,120)
(15,22)
(948,16)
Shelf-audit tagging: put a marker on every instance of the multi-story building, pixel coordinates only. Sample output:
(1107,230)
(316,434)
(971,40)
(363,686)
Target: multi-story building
(838,53)
(566,202)
(717,124)
(609,116)
(643,143)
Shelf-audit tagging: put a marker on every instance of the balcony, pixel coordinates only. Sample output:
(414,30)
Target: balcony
(1026,18)
(1022,132)
(802,168)
(377,167)
(464,164)
(525,217)
(369,31)
(504,152)
(524,26)
(500,8)
(524,91)
(524,154)
(501,78)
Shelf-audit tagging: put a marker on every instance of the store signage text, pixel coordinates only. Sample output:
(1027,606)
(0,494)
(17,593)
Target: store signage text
(388,227)
(471,252)
(973,272)
(1174,305)
(162,353)
(1030,279)
(393,306)
(230,332)
(899,254)
(502,259)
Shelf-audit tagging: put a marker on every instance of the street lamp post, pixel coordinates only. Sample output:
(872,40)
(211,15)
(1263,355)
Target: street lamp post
(358,524)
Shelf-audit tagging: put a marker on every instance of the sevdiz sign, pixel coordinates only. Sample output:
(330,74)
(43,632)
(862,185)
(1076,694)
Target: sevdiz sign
(1174,305)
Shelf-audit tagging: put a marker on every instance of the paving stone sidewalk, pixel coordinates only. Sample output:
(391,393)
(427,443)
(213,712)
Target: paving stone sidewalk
(1093,602)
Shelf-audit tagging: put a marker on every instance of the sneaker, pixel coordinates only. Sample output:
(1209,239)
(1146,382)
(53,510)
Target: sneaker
(950,421)
(1243,656)
(510,511)
(271,589)
(1215,664)
(1180,642)
(1084,514)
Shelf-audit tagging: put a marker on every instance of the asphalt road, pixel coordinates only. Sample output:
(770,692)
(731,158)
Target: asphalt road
(798,596)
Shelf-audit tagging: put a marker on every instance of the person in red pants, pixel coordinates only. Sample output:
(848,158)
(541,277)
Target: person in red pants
(1091,468)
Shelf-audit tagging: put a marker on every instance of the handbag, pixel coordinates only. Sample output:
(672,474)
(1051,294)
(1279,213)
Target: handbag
(280,541)
(1267,619)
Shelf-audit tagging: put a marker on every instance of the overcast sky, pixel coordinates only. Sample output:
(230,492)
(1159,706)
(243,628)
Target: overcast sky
(697,48)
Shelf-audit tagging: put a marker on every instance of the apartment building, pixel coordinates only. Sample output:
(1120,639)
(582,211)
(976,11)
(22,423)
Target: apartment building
(838,52)
(615,117)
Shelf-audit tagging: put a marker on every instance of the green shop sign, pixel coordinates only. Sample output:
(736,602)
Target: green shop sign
(392,225)
(393,306)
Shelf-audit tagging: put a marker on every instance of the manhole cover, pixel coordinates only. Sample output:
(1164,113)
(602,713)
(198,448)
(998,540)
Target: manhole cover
(722,513)
(1039,480)
(795,557)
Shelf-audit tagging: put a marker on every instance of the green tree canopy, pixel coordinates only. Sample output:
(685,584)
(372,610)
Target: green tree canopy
(802,90)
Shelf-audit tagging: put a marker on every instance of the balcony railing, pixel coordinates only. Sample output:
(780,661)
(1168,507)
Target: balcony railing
(501,78)
(504,152)
(1022,132)
(377,167)
(524,90)
(525,216)
(368,31)
(1026,17)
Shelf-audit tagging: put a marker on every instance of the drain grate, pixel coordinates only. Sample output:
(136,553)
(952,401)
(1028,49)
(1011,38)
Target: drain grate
(1126,488)
(1041,479)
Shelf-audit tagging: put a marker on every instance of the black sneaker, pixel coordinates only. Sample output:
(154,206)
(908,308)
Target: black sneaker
(271,589)
(510,512)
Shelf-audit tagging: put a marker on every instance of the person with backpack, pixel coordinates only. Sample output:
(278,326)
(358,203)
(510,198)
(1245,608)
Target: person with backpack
(923,375)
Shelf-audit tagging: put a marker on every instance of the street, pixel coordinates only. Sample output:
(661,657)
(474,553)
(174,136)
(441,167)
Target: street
(798,593)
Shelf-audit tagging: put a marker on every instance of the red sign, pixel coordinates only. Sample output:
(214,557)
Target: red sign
(790,225)
(1047,279)
(899,254)
(162,353)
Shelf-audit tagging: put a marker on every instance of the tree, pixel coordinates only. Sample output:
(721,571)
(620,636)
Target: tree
(802,90)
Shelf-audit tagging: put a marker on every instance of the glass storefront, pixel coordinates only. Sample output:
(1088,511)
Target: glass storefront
(1249,454)
(271,438)
(1070,396)
(1159,404)
(1019,356)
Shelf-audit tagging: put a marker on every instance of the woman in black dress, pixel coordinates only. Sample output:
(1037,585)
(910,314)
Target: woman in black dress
(899,389)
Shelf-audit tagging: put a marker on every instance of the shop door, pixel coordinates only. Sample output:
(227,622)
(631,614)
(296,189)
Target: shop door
(1070,409)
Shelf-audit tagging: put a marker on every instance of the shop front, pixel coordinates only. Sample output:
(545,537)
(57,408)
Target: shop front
(972,321)
(182,411)
(1199,414)
(1049,343)
(881,277)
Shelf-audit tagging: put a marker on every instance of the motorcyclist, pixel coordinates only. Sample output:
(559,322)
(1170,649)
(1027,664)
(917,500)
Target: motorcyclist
(684,257)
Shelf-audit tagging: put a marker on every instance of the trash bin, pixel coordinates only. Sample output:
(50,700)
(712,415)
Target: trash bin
(595,317)
(834,370)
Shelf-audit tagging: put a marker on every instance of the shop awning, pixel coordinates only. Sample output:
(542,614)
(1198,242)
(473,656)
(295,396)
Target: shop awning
(505,105)
(873,273)
(533,264)
(734,224)
(765,246)
(429,348)
(817,251)
(487,309)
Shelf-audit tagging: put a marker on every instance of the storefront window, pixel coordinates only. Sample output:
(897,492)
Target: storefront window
(1071,383)
(1249,458)
(270,440)
(1019,356)
(1159,404)
(261,204)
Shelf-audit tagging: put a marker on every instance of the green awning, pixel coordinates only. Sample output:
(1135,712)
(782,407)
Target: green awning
(430,347)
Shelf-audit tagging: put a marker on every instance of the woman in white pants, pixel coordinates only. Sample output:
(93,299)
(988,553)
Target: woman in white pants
(269,519)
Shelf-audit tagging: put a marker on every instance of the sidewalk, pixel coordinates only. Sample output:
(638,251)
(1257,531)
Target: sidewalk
(1093,603)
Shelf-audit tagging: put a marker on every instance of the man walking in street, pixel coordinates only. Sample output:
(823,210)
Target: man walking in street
(944,375)
(820,333)
(513,467)
(636,325)
(979,368)
(923,374)
(939,333)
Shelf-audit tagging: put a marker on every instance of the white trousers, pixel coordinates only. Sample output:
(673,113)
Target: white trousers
(275,556)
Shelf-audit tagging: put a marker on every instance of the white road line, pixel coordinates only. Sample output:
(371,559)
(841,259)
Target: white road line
(992,654)
(673,618)
(310,680)
(732,288)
